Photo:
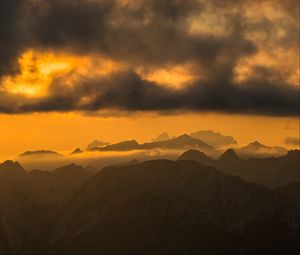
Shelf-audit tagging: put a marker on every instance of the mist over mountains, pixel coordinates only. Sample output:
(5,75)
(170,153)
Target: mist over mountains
(100,154)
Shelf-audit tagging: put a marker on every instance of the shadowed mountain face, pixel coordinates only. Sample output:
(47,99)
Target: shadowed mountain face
(155,207)
(30,204)
(56,187)
(270,172)
(180,142)
(165,207)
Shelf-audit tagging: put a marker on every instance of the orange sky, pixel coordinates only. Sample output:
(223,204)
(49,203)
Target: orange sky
(65,132)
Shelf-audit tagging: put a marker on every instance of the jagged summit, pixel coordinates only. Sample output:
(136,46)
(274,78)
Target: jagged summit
(76,151)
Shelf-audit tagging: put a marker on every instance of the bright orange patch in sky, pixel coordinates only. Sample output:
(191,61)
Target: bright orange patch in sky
(39,69)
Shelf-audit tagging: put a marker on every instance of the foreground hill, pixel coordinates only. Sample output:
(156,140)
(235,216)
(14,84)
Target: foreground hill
(166,207)
(271,172)
(30,203)
(155,207)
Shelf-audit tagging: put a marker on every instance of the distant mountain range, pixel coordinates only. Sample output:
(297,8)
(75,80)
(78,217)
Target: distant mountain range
(270,172)
(210,142)
(180,142)
(154,207)
(256,149)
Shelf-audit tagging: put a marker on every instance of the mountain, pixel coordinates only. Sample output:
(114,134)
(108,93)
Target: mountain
(256,149)
(197,156)
(76,151)
(12,176)
(228,156)
(166,207)
(96,143)
(122,146)
(41,153)
(270,172)
(214,139)
(57,186)
(10,166)
(162,137)
(91,169)
(129,163)
(31,204)
(180,142)
(154,207)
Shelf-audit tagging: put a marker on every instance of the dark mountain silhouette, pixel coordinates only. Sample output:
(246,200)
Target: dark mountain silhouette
(91,169)
(270,172)
(229,156)
(31,204)
(4,245)
(165,207)
(155,207)
(10,166)
(256,149)
(96,143)
(76,151)
(214,139)
(122,146)
(12,175)
(197,156)
(57,186)
(128,163)
(41,153)
(180,142)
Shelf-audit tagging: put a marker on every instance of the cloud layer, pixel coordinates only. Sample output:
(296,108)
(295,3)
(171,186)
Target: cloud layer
(232,49)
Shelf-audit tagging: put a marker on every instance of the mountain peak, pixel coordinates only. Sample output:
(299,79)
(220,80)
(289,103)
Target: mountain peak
(192,154)
(69,168)
(76,151)
(196,155)
(9,165)
(229,155)
(184,136)
(257,144)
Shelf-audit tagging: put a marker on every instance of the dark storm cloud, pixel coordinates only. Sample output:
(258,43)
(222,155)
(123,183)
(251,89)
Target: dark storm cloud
(147,34)
(127,91)
(12,37)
